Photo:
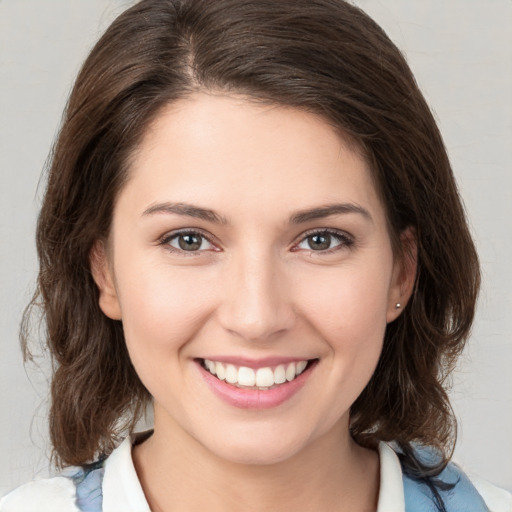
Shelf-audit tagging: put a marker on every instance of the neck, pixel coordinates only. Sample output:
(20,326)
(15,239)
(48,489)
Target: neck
(332,473)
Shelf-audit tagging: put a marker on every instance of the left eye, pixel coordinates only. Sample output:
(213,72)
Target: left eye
(189,242)
(323,241)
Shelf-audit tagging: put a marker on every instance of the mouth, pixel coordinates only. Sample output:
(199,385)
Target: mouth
(262,379)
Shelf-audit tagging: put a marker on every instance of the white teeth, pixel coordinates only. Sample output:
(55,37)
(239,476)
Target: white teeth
(231,374)
(220,371)
(246,376)
(301,365)
(290,372)
(280,374)
(262,378)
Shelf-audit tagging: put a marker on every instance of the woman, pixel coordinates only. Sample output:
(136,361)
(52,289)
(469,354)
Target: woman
(252,223)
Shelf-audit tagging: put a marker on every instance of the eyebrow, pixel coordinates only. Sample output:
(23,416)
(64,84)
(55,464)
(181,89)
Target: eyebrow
(300,217)
(186,209)
(328,210)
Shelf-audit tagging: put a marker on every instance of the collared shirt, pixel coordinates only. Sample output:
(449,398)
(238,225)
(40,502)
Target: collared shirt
(122,491)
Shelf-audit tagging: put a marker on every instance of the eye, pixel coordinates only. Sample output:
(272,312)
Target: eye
(188,241)
(325,241)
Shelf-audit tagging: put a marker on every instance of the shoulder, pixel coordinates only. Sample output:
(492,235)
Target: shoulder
(49,495)
(497,499)
(76,490)
(110,485)
(454,490)
(451,491)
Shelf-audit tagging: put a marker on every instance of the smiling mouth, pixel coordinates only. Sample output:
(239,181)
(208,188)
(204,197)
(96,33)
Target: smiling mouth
(261,378)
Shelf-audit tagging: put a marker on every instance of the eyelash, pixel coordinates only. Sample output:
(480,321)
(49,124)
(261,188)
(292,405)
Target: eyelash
(167,238)
(345,241)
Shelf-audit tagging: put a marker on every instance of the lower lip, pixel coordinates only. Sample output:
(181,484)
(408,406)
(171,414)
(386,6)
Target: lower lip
(255,398)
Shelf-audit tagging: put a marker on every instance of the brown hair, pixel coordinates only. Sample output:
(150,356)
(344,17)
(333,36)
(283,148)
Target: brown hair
(323,56)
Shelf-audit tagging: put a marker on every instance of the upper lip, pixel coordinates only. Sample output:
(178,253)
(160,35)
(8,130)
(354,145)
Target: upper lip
(256,363)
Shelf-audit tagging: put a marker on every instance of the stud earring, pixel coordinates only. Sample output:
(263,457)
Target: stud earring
(398,305)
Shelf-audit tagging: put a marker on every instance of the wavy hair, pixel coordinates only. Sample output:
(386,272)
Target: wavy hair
(323,56)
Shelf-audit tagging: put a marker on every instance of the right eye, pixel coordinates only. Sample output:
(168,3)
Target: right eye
(189,241)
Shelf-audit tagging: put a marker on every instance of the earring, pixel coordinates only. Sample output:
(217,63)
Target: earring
(398,305)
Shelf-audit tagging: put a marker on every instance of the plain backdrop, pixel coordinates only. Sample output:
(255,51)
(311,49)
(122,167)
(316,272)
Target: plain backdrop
(461,54)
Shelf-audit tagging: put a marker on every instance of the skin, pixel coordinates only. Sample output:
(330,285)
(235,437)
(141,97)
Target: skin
(256,289)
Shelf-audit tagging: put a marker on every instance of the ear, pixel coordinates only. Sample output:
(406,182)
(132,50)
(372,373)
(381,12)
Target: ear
(103,277)
(404,274)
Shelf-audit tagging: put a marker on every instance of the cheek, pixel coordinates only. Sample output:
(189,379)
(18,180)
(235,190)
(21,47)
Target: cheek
(163,308)
(349,303)
(348,312)
(347,308)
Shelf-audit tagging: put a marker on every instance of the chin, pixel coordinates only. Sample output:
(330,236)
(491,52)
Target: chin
(265,455)
(257,448)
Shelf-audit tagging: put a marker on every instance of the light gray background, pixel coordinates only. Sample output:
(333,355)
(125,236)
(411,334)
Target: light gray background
(461,53)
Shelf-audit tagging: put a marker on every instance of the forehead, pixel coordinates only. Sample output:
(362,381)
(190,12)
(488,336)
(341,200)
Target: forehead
(230,151)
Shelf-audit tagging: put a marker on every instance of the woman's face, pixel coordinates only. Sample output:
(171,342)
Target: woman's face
(250,263)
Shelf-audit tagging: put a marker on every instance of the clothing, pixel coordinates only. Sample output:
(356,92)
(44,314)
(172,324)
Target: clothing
(113,486)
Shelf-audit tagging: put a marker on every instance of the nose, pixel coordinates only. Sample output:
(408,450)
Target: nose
(256,304)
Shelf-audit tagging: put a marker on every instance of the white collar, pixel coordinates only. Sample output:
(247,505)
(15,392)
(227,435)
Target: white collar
(121,487)
(122,490)
(391,490)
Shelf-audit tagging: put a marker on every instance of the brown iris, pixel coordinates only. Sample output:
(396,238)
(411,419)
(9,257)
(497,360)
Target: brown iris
(190,242)
(319,242)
